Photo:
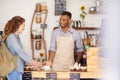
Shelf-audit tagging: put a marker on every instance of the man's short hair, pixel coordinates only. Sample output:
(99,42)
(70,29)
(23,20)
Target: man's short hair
(67,13)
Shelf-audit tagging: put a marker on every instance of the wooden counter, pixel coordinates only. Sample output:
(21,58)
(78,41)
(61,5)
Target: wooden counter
(66,74)
(93,70)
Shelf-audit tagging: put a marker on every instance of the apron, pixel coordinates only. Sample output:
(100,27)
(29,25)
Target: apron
(64,56)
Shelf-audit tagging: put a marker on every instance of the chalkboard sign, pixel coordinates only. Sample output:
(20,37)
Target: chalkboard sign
(27,76)
(60,6)
(74,76)
(51,76)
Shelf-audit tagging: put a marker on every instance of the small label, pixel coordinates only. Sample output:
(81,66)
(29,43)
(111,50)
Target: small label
(74,76)
(51,76)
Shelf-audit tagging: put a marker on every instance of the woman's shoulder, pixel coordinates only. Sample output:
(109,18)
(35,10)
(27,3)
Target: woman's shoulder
(12,35)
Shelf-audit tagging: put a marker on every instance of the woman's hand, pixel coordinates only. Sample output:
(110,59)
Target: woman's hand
(36,65)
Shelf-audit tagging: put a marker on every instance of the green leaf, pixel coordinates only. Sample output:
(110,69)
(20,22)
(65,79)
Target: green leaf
(83,17)
(84,12)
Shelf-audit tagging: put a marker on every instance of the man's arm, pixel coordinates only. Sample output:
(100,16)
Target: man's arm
(50,58)
(79,55)
(79,47)
(51,55)
(52,49)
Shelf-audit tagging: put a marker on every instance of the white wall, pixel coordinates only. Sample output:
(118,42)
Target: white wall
(25,8)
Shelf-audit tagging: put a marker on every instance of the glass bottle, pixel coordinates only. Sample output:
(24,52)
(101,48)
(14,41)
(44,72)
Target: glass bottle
(38,18)
(85,59)
(79,23)
(39,36)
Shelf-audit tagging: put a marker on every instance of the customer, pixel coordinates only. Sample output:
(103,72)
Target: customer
(63,42)
(13,28)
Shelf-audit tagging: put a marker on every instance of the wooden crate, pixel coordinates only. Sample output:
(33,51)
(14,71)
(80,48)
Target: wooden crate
(93,59)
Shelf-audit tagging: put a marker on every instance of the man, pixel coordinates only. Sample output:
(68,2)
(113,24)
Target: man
(63,42)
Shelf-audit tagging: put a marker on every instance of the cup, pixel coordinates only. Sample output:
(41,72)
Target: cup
(46,68)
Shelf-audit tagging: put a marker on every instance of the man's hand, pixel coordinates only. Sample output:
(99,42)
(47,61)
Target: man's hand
(48,63)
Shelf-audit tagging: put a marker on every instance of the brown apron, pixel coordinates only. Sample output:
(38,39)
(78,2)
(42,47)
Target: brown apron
(64,56)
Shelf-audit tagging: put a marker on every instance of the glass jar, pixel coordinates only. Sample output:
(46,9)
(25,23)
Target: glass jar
(43,6)
(34,34)
(38,7)
(39,36)
(38,18)
(38,45)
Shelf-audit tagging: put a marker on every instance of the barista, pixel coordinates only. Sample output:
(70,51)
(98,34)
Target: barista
(63,42)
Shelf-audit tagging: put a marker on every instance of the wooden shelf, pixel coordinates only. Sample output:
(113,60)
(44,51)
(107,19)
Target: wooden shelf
(36,39)
(83,28)
(44,13)
(86,28)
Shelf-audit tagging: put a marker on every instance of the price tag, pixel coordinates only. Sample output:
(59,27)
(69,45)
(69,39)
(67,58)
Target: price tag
(74,76)
(51,76)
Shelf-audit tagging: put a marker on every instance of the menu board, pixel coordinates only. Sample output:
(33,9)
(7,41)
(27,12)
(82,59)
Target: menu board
(51,76)
(74,76)
(60,6)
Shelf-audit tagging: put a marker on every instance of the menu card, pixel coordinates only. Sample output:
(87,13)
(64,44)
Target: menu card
(51,76)
(74,76)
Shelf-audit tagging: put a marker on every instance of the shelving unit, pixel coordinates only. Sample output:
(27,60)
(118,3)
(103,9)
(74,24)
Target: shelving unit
(84,28)
(87,28)
(39,26)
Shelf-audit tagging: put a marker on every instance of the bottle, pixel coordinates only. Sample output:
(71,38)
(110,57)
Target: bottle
(94,39)
(76,24)
(39,36)
(85,59)
(79,23)
(73,24)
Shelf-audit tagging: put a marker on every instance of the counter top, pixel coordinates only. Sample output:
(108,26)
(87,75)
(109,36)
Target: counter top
(93,69)
(94,73)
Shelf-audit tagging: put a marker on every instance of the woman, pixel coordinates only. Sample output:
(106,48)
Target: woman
(13,28)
